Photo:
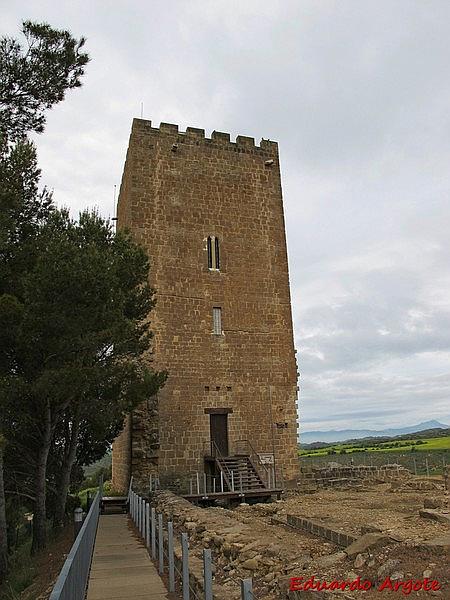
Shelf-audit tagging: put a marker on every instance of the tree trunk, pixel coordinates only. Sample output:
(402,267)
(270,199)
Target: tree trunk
(70,454)
(3,525)
(40,506)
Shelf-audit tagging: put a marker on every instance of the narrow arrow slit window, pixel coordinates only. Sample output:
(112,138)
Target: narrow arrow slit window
(213,253)
(217,320)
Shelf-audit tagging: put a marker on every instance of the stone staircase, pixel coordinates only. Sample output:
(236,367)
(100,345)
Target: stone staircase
(240,471)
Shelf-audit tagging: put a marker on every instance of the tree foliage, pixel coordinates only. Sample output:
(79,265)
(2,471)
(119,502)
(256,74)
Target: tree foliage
(80,344)
(75,347)
(35,76)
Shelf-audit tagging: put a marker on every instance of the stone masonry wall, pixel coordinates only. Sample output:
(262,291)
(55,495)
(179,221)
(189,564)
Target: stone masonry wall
(121,464)
(311,478)
(178,189)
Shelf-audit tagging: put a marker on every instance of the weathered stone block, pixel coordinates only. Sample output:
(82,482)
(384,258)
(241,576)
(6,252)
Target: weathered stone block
(179,189)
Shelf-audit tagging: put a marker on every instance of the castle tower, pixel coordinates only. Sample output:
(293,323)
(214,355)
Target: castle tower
(209,213)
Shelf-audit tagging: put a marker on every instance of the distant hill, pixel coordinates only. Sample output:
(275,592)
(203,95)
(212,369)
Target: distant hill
(425,434)
(343,435)
(103,462)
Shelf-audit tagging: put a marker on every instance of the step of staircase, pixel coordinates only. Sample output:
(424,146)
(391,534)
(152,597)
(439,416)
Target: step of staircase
(244,473)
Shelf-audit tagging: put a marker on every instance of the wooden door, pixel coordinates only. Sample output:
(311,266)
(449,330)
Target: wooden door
(219,432)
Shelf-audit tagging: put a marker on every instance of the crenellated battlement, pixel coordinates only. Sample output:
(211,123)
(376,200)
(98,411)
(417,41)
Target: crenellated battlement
(218,138)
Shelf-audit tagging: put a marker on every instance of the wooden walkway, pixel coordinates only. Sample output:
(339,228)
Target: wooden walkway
(121,567)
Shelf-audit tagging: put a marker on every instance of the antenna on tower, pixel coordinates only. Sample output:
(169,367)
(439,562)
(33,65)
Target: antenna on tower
(114,218)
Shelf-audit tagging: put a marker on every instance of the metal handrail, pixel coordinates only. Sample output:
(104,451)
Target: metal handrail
(248,450)
(73,578)
(215,451)
(256,461)
(211,449)
(160,544)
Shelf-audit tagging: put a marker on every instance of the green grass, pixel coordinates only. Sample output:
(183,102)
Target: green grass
(107,491)
(442,443)
(424,445)
(83,495)
(21,574)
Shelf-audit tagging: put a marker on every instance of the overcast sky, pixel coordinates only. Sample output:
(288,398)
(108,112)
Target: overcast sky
(357,93)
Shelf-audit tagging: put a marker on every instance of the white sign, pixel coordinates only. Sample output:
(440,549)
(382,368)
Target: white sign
(266,459)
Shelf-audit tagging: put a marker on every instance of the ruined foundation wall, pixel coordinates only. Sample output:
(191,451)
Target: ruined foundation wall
(311,478)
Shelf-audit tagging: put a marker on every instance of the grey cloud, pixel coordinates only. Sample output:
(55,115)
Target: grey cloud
(357,95)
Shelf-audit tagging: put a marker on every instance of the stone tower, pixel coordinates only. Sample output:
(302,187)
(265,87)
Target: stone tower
(209,213)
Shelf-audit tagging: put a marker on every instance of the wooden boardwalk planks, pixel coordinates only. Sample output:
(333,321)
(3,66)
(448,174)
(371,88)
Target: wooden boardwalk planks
(121,567)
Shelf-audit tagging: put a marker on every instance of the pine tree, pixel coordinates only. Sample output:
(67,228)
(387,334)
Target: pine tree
(33,77)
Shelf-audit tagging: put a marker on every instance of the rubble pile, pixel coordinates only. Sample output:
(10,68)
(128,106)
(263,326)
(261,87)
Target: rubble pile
(389,539)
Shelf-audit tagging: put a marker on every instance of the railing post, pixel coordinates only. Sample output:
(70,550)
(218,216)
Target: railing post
(136,504)
(221,481)
(205,484)
(144,519)
(207,574)
(198,484)
(140,515)
(160,544)
(147,520)
(153,533)
(171,556)
(232,481)
(185,565)
(246,589)
(77,521)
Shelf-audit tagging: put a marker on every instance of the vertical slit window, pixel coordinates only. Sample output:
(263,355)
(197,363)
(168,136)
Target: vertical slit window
(217,320)
(210,257)
(216,248)
(213,253)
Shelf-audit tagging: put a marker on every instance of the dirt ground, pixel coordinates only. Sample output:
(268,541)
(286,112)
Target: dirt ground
(47,565)
(283,552)
(394,512)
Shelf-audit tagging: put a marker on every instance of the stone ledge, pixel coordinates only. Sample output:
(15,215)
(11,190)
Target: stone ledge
(336,537)
(435,515)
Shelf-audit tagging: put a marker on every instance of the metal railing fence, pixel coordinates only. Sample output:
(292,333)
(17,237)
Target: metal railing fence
(203,484)
(244,447)
(418,463)
(160,543)
(266,474)
(73,578)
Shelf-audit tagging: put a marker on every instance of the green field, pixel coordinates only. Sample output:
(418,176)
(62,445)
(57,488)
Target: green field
(413,445)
